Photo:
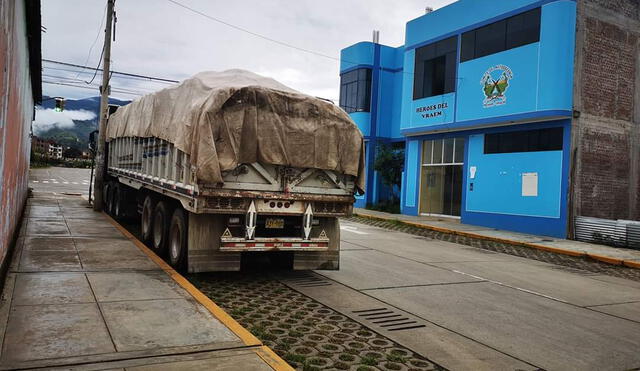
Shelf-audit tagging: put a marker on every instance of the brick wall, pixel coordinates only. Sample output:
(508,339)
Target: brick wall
(609,69)
(626,8)
(604,175)
(606,181)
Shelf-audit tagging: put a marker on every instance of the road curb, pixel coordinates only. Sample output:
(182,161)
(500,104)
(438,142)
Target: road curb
(556,250)
(263,351)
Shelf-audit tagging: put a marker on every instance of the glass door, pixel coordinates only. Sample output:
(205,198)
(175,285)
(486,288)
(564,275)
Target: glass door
(441,178)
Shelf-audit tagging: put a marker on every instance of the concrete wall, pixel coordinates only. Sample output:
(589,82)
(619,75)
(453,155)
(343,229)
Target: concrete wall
(606,136)
(16,114)
(382,123)
(542,72)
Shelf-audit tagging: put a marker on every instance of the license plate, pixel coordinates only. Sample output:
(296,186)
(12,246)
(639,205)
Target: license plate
(274,223)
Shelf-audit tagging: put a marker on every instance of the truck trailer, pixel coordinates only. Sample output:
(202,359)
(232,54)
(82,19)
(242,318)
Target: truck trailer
(229,164)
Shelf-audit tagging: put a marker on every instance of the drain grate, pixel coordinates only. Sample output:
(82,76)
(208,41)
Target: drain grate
(388,319)
(307,280)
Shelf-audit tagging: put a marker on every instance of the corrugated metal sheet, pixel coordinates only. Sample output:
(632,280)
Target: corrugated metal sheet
(622,233)
(16,114)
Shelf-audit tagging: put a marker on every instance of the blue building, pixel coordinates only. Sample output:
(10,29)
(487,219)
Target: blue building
(481,97)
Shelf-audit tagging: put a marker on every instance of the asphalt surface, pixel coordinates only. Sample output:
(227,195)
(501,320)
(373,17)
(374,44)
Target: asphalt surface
(60,180)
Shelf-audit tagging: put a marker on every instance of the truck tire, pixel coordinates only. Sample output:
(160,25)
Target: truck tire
(106,198)
(146,219)
(178,240)
(118,202)
(161,215)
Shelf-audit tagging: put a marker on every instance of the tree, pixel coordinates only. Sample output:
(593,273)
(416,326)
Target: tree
(389,163)
(71,152)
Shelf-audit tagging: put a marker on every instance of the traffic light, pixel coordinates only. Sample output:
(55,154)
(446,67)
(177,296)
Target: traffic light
(59,105)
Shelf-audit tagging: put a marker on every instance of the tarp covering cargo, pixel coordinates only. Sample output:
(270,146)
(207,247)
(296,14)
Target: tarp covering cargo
(223,119)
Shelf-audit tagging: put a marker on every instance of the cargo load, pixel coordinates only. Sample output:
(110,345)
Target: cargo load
(226,165)
(223,119)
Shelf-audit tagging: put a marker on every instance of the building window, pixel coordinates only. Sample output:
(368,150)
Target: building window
(506,34)
(435,69)
(355,90)
(524,141)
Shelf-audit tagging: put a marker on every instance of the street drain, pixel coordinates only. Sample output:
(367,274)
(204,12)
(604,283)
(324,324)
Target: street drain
(307,280)
(388,319)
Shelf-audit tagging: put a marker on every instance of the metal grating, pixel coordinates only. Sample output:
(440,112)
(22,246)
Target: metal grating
(388,319)
(308,280)
(621,233)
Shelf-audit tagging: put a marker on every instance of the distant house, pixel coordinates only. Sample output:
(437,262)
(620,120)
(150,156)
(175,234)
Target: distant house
(40,145)
(55,151)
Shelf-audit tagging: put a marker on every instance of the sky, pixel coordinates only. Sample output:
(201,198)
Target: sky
(158,38)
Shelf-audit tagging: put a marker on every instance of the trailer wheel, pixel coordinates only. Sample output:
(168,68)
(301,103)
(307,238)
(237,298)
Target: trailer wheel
(178,240)
(117,208)
(106,198)
(160,228)
(146,222)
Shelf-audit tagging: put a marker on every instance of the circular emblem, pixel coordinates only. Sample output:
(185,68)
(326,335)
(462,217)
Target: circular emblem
(495,83)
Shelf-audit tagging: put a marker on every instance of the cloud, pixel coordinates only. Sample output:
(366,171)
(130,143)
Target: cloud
(48,118)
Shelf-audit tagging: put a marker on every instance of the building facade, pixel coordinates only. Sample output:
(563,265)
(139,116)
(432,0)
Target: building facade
(517,115)
(55,151)
(40,146)
(20,89)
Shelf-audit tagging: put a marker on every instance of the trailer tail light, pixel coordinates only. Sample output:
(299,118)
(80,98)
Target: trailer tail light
(280,207)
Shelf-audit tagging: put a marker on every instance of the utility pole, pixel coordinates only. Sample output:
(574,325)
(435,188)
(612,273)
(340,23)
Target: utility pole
(98,185)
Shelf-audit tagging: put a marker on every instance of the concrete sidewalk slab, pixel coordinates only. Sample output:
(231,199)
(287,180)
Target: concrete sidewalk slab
(47,227)
(377,269)
(438,251)
(148,324)
(606,254)
(552,280)
(625,310)
(50,260)
(123,286)
(52,288)
(44,212)
(55,331)
(49,244)
(82,294)
(512,329)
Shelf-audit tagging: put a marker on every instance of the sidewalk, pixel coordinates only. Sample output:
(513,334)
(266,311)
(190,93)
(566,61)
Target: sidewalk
(606,254)
(81,292)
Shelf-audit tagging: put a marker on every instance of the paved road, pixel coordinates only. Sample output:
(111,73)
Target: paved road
(497,309)
(60,180)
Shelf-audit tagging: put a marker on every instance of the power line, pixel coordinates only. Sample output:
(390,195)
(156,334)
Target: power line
(130,92)
(131,78)
(93,87)
(254,33)
(116,72)
(313,52)
(96,39)
(136,89)
(97,68)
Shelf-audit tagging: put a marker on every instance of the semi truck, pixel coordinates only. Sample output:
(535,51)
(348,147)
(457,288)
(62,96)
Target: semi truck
(231,164)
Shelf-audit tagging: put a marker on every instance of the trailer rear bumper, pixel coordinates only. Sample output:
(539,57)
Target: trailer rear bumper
(274,244)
